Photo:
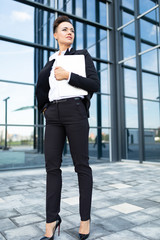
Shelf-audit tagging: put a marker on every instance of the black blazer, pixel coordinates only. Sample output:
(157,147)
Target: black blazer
(89,83)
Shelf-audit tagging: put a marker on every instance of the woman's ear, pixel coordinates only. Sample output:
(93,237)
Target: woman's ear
(55,35)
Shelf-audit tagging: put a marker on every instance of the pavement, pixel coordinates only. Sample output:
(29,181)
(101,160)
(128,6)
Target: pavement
(125,206)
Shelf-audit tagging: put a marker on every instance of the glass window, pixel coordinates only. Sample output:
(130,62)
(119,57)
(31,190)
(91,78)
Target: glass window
(131,62)
(126,17)
(103,13)
(16,62)
(152,144)
(93,111)
(130,29)
(105,88)
(20,105)
(60,4)
(69,6)
(128,4)
(148,31)
(103,44)
(17,20)
(105,143)
(91,40)
(91,10)
(151,114)
(145,5)
(130,79)
(79,35)
(131,113)
(132,140)
(150,86)
(93,142)
(105,110)
(128,47)
(149,61)
(79,8)
(20,154)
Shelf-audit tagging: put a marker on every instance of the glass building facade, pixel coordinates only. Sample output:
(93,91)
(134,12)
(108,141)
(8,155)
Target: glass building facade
(123,38)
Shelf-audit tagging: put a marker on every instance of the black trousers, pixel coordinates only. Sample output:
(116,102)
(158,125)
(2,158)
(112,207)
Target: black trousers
(67,118)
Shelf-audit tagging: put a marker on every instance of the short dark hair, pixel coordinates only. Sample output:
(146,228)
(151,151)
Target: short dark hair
(59,20)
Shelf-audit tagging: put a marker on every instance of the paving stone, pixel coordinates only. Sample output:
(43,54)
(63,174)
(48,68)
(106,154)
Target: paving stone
(6,224)
(25,208)
(125,235)
(1,237)
(25,233)
(148,230)
(9,213)
(139,218)
(27,219)
(106,213)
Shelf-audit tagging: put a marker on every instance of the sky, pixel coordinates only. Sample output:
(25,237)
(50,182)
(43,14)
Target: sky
(17,64)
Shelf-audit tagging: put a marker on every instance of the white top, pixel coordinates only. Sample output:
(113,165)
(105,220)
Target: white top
(55,92)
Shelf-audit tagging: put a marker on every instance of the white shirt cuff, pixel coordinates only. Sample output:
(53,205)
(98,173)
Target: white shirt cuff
(69,77)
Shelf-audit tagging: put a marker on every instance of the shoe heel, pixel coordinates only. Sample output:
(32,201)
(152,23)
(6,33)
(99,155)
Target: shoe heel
(59,230)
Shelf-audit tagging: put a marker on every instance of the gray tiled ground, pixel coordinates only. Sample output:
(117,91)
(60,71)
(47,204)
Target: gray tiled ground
(126,203)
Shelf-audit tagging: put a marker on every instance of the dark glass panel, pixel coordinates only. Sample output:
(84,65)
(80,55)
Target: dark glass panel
(131,113)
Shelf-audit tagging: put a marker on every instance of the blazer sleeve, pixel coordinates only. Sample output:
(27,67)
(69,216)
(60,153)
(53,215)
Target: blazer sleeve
(89,83)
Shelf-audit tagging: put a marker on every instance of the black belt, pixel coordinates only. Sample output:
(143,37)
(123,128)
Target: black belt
(64,100)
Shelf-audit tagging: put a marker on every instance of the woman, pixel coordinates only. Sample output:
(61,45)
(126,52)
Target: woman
(66,117)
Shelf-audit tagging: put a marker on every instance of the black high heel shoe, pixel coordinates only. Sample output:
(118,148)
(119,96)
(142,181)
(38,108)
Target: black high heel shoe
(58,223)
(83,236)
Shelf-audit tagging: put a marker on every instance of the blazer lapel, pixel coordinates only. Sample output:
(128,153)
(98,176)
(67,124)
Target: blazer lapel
(71,52)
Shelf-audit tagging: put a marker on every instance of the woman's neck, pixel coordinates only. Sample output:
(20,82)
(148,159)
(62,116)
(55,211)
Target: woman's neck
(63,48)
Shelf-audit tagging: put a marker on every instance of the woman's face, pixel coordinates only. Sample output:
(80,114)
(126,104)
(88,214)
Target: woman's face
(64,34)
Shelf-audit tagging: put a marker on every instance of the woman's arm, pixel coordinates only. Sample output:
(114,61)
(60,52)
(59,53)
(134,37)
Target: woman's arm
(89,83)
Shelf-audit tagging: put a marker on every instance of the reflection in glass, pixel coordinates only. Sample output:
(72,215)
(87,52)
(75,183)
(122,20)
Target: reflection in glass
(128,4)
(93,111)
(151,114)
(146,5)
(105,143)
(20,104)
(126,17)
(128,47)
(103,15)
(130,79)
(21,153)
(16,62)
(17,20)
(105,111)
(79,35)
(152,145)
(92,140)
(91,10)
(103,44)
(69,6)
(79,7)
(148,31)
(104,78)
(132,143)
(131,113)
(150,86)
(91,40)
(149,61)
(131,62)
(130,29)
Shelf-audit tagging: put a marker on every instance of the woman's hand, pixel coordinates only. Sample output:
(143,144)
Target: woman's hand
(60,73)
